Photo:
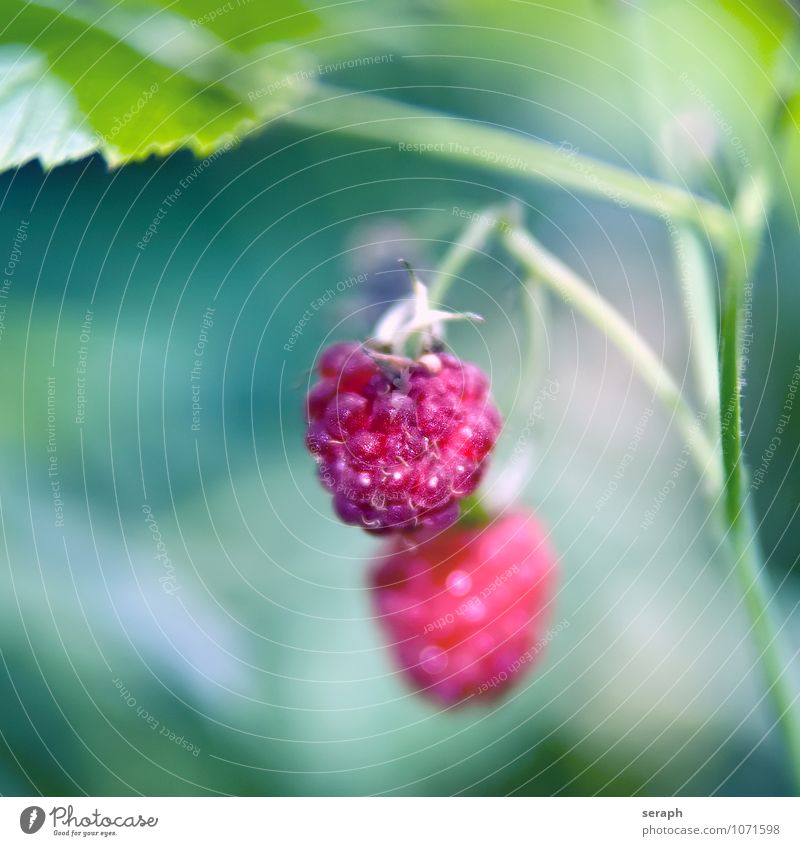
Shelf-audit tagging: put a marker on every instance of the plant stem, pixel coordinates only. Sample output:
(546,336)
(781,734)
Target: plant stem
(758,597)
(750,212)
(691,262)
(701,313)
(718,371)
(473,240)
(467,141)
(576,292)
(741,254)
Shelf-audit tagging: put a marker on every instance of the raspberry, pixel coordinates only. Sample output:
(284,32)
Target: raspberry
(399,446)
(465,611)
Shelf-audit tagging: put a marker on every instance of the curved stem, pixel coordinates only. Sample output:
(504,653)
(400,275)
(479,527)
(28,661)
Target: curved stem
(577,293)
(517,459)
(690,260)
(420,131)
(750,569)
(473,240)
(698,283)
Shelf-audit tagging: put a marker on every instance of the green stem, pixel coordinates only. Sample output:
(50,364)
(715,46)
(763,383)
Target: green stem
(775,663)
(691,263)
(474,514)
(535,307)
(718,371)
(750,212)
(420,131)
(517,456)
(697,284)
(473,240)
(577,293)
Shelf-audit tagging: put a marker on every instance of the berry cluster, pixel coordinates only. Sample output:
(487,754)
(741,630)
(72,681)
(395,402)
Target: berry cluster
(466,610)
(399,442)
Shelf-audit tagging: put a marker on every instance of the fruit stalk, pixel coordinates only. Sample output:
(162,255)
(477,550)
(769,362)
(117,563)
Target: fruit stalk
(472,241)
(576,292)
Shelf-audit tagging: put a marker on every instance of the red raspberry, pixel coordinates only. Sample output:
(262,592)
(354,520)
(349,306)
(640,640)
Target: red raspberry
(399,448)
(465,611)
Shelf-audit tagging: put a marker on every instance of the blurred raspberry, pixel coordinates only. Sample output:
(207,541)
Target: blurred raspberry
(398,447)
(465,611)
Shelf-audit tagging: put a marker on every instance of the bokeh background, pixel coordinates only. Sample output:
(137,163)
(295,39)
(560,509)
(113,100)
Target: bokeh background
(242,655)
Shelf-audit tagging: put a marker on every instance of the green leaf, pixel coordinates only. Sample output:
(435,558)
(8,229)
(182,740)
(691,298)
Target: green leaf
(38,113)
(130,81)
(245,25)
(789,178)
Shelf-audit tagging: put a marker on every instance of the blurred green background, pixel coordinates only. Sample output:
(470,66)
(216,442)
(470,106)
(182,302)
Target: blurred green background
(245,659)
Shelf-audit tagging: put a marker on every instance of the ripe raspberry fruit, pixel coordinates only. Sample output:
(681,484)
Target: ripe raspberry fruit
(398,441)
(465,611)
